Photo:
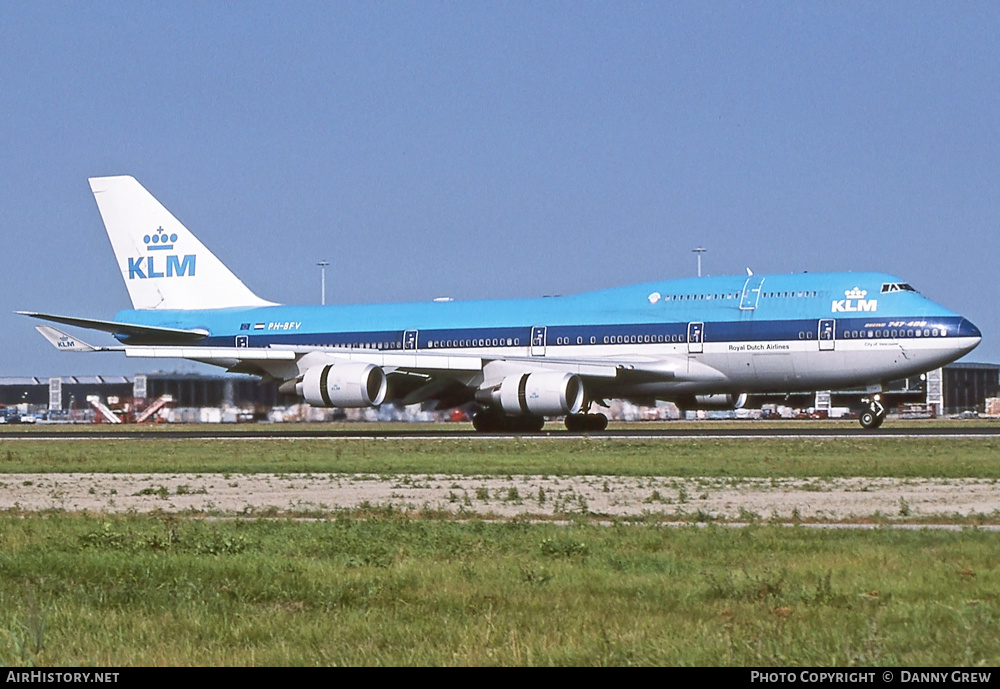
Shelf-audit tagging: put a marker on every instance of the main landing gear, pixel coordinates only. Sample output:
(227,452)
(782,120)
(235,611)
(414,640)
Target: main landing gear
(873,414)
(586,422)
(490,421)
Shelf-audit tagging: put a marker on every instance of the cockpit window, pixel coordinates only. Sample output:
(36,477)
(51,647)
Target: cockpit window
(896,287)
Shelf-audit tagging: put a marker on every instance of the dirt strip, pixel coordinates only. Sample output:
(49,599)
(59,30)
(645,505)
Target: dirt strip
(839,499)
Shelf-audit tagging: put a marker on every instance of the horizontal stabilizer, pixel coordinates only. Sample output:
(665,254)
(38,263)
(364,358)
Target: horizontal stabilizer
(132,333)
(64,342)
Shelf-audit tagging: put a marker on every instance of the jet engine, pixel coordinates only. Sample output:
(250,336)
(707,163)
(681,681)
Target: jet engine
(547,393)
(343,384)
(710,402)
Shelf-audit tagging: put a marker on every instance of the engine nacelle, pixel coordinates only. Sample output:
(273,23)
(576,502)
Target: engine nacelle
(343,384)
(710,402)
(548,393)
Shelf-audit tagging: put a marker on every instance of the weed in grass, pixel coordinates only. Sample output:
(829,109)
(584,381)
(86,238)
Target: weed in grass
(564,547)
(196,538)
(765,586)
(904,508)
(536,576)
(824,595)
(483,494)
(159,491)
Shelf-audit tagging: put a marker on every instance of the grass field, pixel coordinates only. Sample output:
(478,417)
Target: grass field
(391,591)
(376,587)
(761,457)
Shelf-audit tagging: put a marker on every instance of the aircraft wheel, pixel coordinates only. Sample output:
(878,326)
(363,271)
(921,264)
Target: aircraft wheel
(487,422)
(586,422)
(531,424)
(872,417)
(597,422)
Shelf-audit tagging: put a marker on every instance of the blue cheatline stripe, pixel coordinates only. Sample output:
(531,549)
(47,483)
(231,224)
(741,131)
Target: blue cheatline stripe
(641,333)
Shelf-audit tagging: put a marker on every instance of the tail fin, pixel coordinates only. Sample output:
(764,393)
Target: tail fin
(164,266)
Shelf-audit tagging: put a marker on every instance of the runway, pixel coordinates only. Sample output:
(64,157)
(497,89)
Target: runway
(417,432)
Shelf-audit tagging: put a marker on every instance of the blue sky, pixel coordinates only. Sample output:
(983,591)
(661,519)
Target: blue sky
(481,150)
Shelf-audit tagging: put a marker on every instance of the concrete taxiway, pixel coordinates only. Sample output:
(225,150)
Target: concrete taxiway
(738,431)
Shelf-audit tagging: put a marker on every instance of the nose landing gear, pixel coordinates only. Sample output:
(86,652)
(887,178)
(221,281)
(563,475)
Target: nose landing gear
(873,414)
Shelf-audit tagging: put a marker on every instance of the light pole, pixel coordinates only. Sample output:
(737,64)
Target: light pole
(699,251)
(322,281)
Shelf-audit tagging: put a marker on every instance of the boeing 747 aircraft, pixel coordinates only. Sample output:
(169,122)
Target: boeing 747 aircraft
(700,342)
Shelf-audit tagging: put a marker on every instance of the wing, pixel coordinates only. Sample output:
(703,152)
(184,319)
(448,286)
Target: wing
(128,332)
(351,377)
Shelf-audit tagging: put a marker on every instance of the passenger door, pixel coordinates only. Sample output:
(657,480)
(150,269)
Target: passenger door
(538,340)
(827,334)
(696,337)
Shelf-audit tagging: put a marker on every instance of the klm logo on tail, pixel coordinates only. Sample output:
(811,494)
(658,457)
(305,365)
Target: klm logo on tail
(155,265)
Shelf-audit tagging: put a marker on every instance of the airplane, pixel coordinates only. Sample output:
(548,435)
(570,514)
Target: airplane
(703,343)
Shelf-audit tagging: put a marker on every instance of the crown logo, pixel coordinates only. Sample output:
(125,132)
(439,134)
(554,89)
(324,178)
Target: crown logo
(855,293)
(159,241)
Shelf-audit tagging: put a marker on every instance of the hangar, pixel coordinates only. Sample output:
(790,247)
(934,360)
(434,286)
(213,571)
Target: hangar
(957,388)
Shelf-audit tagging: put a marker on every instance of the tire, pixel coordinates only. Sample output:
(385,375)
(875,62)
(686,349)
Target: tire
(597,422)
(533,424)
(869,420)
(580,423)
(487,422)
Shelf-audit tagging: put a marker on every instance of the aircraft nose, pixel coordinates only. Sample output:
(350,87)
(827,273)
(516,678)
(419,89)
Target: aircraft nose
(971,334)
(967,329)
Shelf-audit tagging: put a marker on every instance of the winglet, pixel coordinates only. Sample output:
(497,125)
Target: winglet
(64,342)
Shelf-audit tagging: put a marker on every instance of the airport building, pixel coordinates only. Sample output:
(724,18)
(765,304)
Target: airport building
(957,388)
